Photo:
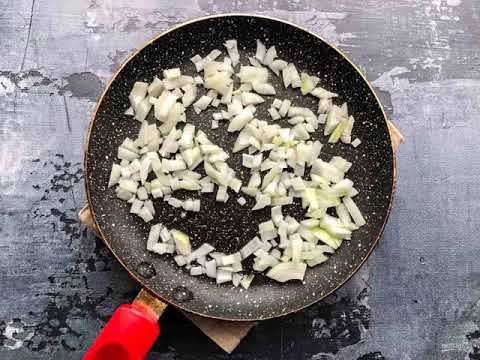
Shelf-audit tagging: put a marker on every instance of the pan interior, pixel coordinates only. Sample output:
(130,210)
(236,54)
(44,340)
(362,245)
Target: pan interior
(229,226)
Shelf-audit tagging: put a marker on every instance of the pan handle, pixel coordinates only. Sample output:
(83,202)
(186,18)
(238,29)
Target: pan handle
(130,332)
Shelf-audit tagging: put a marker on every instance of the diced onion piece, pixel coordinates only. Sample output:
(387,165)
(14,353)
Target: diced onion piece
(240,120)
(162,248)
(163,104)
(251,161)
(129,112)
(153,235)
(251,74)
(138,93)
(343,214)
(335,136)
(142,193)
(236,278)
(262,200)
(263,88)
(182,242)
(278,65)
(277,103)
(296,246)
(232,50)
(277,216)
(196,270)
(145,214)
(171,73)
(346,136)
(324,105)
(270,55)
(136,206)
(356,142)
(190,93)
(114,175)
(326,170)
(249,248)
(294,77)
(235,185)
(246,281)
(322,93)
(308,83)
(220,82)
(202,250)
(222,195)
(326,238)
(261,50)
(254,62)
(180,260)
(284,108)
(267,230)
(274,113)
(286,271)
(202,103)
(354,211)
(343,187)
(128,185)
(211,268)
(251,98)
(156,87)
(223,276)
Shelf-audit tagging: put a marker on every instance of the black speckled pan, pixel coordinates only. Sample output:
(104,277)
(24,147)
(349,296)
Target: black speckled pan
(229,226)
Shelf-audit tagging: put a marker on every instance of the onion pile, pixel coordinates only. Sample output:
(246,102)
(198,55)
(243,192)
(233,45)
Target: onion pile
(284,164)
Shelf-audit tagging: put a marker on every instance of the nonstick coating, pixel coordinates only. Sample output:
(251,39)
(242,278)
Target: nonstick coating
(229,226)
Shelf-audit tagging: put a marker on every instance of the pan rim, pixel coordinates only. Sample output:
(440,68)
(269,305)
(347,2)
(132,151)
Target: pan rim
(131,273)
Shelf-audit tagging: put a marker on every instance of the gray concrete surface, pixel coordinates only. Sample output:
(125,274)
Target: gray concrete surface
(418,296)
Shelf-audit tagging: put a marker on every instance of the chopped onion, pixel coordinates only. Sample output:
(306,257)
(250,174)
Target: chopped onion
(354,211)
(190,93)
(322,93)
(308,83)
(260,53)
(270,55)
(180,260)
(138,93)
(278,65)
(211,268)
(284,108)
(232,50)
(356,142)
(263,88)
(202,103)
(286,271)
(240,120)
(182,242)
(203,250)
(284,244)
(254,62)
(223,276)
(246,281)
(253,74)
(129,112)
(274,113)
(171,73)
(251,98)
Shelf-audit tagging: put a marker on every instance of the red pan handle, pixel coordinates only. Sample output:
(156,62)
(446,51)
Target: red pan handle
(130,332)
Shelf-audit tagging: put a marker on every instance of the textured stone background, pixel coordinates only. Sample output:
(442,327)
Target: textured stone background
(418,296)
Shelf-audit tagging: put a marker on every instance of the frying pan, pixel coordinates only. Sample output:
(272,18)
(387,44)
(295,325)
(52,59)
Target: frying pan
(229,226)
